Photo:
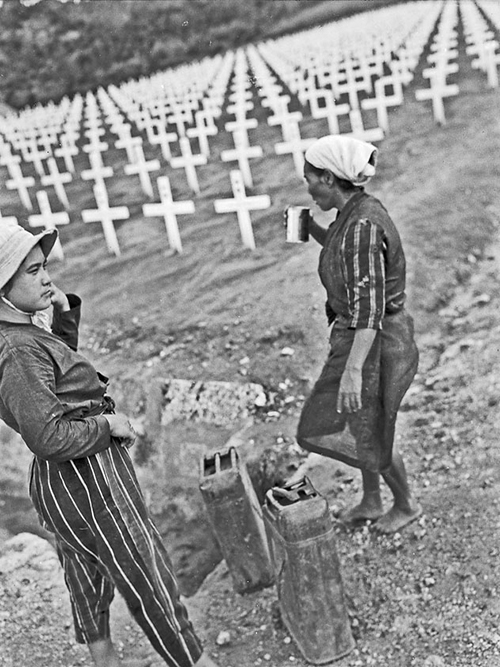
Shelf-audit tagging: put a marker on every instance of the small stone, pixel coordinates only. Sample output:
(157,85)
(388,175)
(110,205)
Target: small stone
(223,638)
(434,661)
(260,400)
(287,352)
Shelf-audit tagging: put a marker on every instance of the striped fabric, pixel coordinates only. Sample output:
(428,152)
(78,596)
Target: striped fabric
(105,538)
(362,265)
(364,268)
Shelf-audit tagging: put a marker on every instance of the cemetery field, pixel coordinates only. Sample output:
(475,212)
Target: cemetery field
(235,308)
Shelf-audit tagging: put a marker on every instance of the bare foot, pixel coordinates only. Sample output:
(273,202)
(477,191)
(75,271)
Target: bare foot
(360,513)
(395,519)
(205,661)
(140,662)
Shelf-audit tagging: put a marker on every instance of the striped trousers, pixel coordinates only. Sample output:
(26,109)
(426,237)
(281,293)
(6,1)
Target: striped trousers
(106,539)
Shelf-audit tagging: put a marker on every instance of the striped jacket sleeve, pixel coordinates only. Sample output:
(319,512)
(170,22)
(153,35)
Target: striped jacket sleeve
(364,270)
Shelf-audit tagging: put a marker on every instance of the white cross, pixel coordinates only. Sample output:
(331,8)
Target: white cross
(36,156)
(202,131)
(281,115)
(21,184)
(106,216)
(6,156)
(157,135)
(239,108)
(492,60)
(351,85)
(98,172)
(8,219)
(46,218)
(55,178)
(286,120)
(438,90)
(95,145)
(127,141)
(241,204)
(330,111)
(487,60)
(358,130)
(67,150)
(381,102)
(181,117)
(141,167)
(296,146)
(47,138)
(189,162)
(241,125)
(242,152)
(169,210)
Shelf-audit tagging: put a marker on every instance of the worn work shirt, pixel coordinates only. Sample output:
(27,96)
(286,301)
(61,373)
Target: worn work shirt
(48,392)
(362,265)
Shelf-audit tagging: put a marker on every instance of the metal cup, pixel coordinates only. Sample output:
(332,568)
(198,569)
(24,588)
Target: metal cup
(297,224)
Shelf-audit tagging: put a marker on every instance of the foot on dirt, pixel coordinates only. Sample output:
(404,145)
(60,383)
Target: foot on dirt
(360,513)
(395,519)
(205,661)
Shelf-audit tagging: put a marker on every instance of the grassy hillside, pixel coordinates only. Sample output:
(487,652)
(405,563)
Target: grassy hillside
(51,49)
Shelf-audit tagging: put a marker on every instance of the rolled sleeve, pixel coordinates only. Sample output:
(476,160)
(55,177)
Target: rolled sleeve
(364,269)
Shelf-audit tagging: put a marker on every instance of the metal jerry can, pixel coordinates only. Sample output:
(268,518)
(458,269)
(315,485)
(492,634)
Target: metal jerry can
(236,518)
(307,571)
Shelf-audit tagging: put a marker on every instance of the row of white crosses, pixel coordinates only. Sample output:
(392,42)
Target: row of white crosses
(443,50)
(368,60)
(240,103)
(344,64)
(273,98)
(480,38)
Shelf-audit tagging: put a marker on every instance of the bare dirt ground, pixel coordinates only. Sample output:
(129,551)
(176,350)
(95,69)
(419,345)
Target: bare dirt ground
(427,597)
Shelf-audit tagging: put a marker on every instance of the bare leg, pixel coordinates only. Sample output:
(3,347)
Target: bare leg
(370,507)
(405,508)
(104,655)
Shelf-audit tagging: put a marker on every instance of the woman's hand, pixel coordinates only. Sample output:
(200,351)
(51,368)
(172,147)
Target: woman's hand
(349,397)
(59,299)
(120,427)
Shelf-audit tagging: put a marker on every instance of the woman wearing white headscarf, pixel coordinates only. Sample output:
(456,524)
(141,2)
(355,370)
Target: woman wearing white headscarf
(351,412)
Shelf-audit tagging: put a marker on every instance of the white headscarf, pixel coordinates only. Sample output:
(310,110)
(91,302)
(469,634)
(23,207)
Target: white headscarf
(346,157)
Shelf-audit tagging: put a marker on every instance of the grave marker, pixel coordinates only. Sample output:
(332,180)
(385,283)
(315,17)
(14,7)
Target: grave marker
(57,180)
(189,162)
(241,205)
(67,150)
(97,172)
(8,219)
(21,183)
(48,219)
(106,216)
(127,141)
(437,92)
(169,210)
(296,146)
(142,167)
(242,152)
(157,135)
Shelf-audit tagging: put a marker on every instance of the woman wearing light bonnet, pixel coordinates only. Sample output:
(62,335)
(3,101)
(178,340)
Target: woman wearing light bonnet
(82,481)
(351,412)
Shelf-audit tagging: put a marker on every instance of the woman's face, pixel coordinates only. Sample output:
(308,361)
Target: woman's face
(321,191)
(30,288)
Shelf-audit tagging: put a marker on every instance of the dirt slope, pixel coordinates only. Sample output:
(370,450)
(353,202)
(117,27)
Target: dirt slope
(427,597)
